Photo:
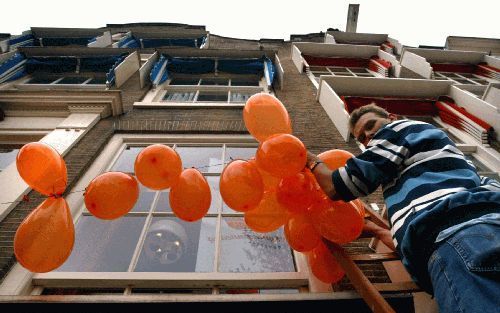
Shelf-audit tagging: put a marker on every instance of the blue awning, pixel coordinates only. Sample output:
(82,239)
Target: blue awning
(21,41)
(128,41)
(165,65)
(13,68)
(18,66)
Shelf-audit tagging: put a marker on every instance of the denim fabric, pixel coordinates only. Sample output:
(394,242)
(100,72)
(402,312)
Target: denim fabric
(492,218)
(465,270)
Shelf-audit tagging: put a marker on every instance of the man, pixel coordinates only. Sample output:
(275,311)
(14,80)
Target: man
(445,219)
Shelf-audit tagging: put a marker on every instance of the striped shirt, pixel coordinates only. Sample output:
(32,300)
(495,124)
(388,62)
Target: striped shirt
(428,186)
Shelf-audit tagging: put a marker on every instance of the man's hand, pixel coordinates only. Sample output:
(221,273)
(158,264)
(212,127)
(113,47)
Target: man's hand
(382,234)
(323,176)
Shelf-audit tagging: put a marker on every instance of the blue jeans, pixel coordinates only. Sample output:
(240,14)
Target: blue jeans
(465,270)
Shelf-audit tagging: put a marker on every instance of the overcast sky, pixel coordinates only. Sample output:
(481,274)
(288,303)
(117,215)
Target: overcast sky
(424,22)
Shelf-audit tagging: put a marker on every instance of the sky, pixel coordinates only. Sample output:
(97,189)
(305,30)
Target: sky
(413,23)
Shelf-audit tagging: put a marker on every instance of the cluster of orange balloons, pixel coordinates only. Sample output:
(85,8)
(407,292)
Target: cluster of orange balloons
(158,167)
(45,238)
(275,189)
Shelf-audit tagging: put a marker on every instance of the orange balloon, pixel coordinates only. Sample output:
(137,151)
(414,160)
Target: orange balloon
(190,197)
(241,185)
(264,115)
(42,168)
(282,155)
(360,207)
(324,265)
(111,195)
(158,167)
(270,182)
(45,238)
(300,233)
(337,221)
(336,158)
(296,192)
(268,216)
(318,194)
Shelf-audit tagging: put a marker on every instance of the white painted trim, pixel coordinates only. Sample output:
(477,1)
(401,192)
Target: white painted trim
(146,69)
(280,72)
(102,41)
(127,68)
(297,58)
(416,64)
(334,108)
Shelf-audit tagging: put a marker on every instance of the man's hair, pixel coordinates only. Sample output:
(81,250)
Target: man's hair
(372,107)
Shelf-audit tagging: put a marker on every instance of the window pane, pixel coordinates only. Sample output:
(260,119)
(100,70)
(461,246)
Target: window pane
(172,245)
(185,81)
(179,96)
(205,96)
(213,181)
(125,163)
(145,200)
(343,74)
(481,81)
(102,245)
(243,153)
(41,80)
(7,156)
(318,68)
(244,82)
(243,250)
(163,203)
(73,80)
(206,159)
(171,291)
(215,81)
(240,97)
(82,291)
(358,70)
(338,69)
(97,81)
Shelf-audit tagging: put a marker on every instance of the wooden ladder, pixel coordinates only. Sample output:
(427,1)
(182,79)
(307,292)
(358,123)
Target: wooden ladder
(369,291)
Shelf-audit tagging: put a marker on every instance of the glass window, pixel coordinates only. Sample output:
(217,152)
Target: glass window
(97,81)
(358,70)
(215,81)
(102,245)
(73,80)
(206,96)
(41,80)
(243,250)
(240,97)
(184,81)
(206,159)
(172,245)
(145,200)
(245,82)
(179,96)
(244,153)
(125,162)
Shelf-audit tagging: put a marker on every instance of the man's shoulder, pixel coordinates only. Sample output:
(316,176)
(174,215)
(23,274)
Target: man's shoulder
(407,124)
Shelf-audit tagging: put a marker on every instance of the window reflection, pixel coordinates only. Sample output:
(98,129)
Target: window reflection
(243,250)
(102,245)
(172,245)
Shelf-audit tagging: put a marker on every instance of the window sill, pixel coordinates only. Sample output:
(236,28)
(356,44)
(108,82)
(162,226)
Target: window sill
(186,105)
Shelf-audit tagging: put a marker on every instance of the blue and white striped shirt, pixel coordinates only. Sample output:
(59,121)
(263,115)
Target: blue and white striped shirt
(428,186)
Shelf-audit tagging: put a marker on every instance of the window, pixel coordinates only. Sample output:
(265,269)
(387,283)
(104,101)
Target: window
(66,80)
(211,89)
(8,154)
(461,78)
(317,71)
(150,238)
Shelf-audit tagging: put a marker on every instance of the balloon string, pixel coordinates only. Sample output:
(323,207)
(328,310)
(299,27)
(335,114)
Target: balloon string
(26,198)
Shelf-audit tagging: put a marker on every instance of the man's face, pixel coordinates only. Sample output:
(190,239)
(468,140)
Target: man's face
(368,124)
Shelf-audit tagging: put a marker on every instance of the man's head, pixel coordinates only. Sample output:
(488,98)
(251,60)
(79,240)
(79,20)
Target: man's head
(367,120)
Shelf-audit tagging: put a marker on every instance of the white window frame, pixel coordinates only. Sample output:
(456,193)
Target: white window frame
(154,98)
(329,72)
(301,279)
(24,84)
(440,75)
